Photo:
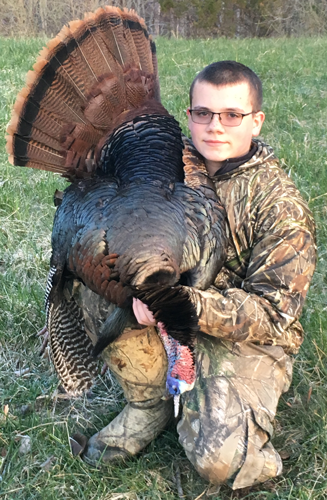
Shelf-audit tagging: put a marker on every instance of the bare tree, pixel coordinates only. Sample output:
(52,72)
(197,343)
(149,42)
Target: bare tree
(179,18)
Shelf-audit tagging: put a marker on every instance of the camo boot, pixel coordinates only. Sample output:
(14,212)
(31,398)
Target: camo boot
(139,363)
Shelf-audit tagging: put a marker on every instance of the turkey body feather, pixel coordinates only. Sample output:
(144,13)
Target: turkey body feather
(91,112)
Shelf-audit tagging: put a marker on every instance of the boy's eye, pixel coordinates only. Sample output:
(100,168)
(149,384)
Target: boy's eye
(232,115)
(201,113)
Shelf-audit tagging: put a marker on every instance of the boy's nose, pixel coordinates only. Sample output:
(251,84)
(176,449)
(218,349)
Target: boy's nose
(215,124)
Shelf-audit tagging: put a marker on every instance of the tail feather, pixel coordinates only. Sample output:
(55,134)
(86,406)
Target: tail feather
(121,42)
(141,41)
(88,76)
(28,149)
(106,57)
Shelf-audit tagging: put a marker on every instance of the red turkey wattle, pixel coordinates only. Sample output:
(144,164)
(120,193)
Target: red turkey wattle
(181,373)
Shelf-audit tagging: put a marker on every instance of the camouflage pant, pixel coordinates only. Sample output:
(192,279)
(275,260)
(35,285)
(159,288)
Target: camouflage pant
(226,424)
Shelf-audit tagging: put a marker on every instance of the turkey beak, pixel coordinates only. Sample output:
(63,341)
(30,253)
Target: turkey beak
(177,398)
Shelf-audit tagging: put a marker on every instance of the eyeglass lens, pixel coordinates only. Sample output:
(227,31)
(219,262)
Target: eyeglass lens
(226,118)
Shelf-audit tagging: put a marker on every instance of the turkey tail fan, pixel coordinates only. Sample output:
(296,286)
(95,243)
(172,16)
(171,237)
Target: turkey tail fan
(85,77)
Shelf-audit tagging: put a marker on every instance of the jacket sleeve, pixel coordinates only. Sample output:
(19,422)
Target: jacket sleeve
(281,263)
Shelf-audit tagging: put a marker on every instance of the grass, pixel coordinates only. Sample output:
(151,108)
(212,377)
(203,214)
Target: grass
(294,74)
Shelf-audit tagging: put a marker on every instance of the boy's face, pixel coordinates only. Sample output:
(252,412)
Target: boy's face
(215,141)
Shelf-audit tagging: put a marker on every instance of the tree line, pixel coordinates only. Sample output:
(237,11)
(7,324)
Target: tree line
(177,18)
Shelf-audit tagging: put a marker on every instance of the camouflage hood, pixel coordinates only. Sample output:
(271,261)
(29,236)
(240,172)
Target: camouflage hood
(258,154)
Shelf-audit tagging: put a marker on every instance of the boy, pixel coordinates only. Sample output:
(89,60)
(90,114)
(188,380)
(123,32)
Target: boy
(259,294)
(248,319)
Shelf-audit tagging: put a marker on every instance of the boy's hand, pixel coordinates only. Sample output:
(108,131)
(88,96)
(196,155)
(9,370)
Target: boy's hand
(142,314)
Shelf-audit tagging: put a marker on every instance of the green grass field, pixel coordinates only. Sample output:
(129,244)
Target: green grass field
(294,75)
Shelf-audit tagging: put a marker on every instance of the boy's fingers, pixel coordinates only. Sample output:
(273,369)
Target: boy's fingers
(142,313)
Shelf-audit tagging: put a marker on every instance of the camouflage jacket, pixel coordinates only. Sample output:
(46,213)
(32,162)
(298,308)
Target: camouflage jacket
(259,294)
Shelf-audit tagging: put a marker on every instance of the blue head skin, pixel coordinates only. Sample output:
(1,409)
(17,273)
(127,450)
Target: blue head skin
(176,387)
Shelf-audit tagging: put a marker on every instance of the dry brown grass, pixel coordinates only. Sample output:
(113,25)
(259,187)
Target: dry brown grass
(46,17)
(232,19)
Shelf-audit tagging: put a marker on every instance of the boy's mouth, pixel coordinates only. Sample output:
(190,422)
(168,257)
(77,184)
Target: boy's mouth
(214,143)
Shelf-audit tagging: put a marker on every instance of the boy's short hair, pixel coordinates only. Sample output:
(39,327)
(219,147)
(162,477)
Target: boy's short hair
(223,73)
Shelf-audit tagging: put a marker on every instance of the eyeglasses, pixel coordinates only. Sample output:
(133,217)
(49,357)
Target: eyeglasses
(227,118)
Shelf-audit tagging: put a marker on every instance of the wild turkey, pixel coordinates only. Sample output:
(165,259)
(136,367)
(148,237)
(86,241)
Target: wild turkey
(91,111)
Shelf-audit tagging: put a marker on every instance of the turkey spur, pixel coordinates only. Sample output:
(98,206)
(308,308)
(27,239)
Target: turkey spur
(91,111)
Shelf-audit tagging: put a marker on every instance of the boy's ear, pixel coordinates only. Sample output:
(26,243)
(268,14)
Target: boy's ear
(258,119)
(188,112)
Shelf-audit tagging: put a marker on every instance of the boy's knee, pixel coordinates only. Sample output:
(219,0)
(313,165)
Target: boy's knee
(240,456)
(215,460)
(212,468)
